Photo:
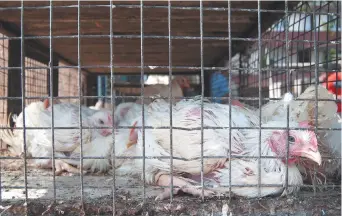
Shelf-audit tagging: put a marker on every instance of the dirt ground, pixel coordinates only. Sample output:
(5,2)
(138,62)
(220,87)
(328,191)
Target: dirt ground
(182,205)
(129,201)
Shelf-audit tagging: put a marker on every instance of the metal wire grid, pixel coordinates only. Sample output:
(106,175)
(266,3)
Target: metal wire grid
(303,28)
(36,80)
(3,83)
(66,84)
(258,66)
(128,86)
(131,36)
(3,78)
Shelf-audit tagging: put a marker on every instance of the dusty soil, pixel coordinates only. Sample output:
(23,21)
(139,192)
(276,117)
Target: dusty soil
(98,193)
(182,205)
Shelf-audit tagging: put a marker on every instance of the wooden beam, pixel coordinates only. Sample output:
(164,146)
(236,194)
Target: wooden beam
(38,47)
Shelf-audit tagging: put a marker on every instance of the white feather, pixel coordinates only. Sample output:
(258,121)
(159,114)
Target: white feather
(15,139)
(240,179)
(273,170)
(186,143)
(288,98)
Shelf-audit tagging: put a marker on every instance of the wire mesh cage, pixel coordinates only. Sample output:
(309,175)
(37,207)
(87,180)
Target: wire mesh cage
(67,78)
(127,101)
(36,84)
(3,80)
(313,28)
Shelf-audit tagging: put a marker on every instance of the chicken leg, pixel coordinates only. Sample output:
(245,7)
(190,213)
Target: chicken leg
(63,166)
(60,166)
(182,185)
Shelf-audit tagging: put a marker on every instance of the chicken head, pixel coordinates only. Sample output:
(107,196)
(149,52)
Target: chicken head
(47,103)
(183,82)
(102,119)
(302,143)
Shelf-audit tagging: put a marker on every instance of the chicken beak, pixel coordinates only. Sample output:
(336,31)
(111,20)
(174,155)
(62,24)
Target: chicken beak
(313,155)
(130,143)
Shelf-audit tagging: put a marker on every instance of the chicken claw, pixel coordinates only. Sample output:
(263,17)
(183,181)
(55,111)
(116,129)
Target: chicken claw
(182,185)
(220,164)
(63,166)
(248,171)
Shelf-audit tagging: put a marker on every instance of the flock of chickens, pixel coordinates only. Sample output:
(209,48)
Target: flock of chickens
(230,157)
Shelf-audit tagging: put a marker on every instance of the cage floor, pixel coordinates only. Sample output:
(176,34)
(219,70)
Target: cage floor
(129,198)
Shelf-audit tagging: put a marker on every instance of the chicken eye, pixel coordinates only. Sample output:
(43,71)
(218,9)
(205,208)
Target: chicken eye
(101,122)
(292,139)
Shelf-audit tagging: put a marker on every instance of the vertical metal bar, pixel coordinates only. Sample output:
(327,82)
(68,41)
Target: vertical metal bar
(170,97)
(295,80)
(51,97)
(142,91)
(202,95)
(80,91)
(101,87)
(312,17)
(22,63)
(316,80)
(338,24)
(112,81)
(230,96)
(326,60)
(303,43)
(240,72)
(336,46)
(99,90)
(260,103)
(276,74)
(287,90)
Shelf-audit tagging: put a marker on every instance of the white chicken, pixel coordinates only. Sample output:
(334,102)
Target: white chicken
(125,113)
(66,141)
(98,105)
(187,149)
(16,147)
(329,141)
(178,84)
(99,147)
(186,143)
(273,170)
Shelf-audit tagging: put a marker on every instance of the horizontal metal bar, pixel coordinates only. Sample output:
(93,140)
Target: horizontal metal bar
(162,187)
(166,7)
(160,157)
(173,127)
(130,36)
(173,67)
(160,97)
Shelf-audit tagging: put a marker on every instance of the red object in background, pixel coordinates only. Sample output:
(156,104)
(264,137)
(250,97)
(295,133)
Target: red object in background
(332,86)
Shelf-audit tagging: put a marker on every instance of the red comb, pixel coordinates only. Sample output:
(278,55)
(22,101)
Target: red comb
(304,124)
(132,129)
(46,103)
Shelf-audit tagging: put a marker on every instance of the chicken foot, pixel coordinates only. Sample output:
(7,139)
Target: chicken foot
(219,165)
(182,185)
(60,167)
(63,166)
